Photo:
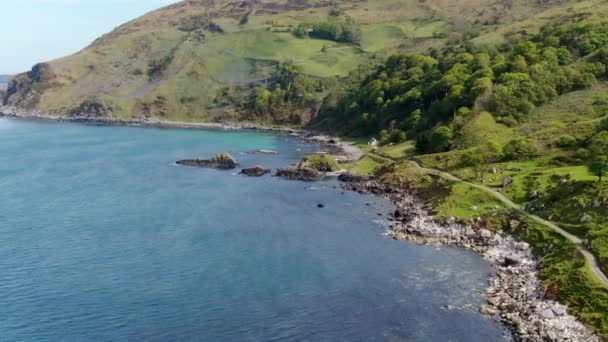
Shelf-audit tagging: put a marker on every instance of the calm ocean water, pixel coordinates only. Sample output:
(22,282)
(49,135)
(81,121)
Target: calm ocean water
(103,238)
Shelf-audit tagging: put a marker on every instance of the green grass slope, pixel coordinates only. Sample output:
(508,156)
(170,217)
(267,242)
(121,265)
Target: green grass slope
(172,63)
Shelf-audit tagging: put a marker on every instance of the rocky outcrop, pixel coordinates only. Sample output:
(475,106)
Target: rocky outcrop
(271,152)
(25,89)
(256,171)
(514,294)
(299,173)
(349,177)
(91,109)
(223,161)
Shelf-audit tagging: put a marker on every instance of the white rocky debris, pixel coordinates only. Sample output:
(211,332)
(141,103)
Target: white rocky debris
(514,293)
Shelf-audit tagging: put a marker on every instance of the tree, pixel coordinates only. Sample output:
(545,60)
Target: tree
(441,138)
(564,56)
(261,100)
(598,163)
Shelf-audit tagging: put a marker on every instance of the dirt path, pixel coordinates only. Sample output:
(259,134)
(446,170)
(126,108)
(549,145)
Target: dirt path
(591,259)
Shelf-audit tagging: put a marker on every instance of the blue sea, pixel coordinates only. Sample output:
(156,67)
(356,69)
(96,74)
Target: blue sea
(104,238)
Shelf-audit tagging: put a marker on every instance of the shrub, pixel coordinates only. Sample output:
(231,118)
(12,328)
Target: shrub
(335,12)
(137,72)
(603,125)
(567,141)
(519,149)
(397,136)
(583,153)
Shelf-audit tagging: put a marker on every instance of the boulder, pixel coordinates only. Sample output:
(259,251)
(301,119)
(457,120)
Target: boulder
(533,194)
(585,218)
(223,161)
(547,314)
(511,260)
(596,203)
(299,173)
(485,234)
(507,181)
(487,310)
(256,171)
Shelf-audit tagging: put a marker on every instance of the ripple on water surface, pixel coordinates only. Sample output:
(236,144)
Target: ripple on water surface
(103,238)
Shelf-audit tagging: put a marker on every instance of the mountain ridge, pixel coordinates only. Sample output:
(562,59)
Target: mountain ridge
(176,62)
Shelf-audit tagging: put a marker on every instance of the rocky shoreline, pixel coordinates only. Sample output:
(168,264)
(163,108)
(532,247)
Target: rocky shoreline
(514,295)
(343,150)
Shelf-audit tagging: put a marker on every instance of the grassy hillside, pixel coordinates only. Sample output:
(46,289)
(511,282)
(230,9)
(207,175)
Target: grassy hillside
(179,62)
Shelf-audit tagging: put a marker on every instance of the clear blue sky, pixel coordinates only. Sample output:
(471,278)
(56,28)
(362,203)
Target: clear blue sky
(34,31)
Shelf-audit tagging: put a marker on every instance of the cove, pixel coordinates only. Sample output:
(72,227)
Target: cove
(104,238)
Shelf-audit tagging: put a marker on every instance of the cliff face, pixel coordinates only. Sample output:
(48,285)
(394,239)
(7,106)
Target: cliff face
(25,89)
(183,62)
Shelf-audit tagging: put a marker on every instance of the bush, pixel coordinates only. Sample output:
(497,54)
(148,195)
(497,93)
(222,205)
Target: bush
(583,153)
(335,12)
(397,136)
(519,149)
(471,158)
(567,141)
(603,125)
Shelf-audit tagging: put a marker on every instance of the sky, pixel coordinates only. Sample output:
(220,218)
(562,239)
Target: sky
(34,31)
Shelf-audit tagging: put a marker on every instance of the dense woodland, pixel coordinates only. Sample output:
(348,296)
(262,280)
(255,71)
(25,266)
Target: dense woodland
(430,97)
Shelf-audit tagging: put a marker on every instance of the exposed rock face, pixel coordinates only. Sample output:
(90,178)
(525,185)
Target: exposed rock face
(21,91)
(91,109)
(223,161)
(299,173)
(256,171)
(348,177)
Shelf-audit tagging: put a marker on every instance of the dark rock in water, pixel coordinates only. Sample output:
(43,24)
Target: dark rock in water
(349,177)
(223,161)
(263,152)
(256,171)
(299,173)
(321,205)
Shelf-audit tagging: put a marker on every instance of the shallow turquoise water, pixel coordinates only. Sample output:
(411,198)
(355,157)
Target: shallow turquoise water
(103,238)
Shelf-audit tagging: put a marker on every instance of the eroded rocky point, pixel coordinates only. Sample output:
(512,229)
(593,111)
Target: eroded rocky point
(256,171)
(310,168)
(515,295)
(223,161)
(296,172)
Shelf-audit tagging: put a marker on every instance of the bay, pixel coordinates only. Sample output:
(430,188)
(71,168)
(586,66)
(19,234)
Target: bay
(104,238)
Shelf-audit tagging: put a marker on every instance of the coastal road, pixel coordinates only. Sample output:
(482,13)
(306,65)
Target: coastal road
(591,259)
